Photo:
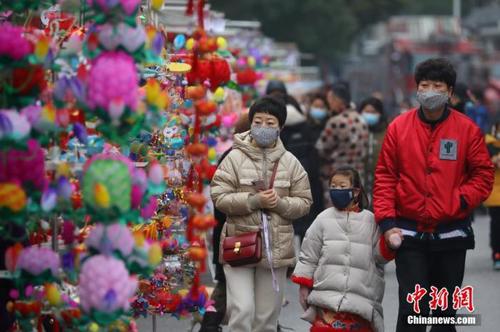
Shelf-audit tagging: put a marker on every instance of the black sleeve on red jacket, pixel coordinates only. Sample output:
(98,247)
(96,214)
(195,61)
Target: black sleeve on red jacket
(386,180)
(480,170)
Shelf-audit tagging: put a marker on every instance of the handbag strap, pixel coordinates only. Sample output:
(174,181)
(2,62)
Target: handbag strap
(273,175)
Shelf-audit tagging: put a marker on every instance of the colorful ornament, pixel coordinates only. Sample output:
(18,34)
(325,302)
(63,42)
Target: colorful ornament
(25,166)
(113,79)
(218,96)
(52,294)
(107,240)
(105,286)
(122,35)
(221,43)
(13,125)
(12,196)
(128,7)
(13,44)
(107,183)
(39,260)
(179,41)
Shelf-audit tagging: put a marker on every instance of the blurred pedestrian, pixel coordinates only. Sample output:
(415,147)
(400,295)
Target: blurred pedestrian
(493,202)
(372,111)
(460,100)
(318,115)
(478,111)
(298,138)
(433,171)
(344,140)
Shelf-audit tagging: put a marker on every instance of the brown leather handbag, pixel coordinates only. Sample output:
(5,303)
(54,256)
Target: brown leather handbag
(246,248)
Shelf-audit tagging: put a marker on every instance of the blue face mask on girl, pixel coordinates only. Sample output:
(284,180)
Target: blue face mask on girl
(341,198)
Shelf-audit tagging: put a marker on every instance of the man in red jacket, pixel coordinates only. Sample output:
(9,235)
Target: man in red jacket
(433,171)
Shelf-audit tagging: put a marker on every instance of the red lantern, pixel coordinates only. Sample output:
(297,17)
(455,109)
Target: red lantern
(197,253)
(217,71)
(203,70)
(206,170)
(203,223)
(196,92)
(207,45)
(200,72)
(246,77)
(205,107)
(221,73)
(196,200)
(197,149)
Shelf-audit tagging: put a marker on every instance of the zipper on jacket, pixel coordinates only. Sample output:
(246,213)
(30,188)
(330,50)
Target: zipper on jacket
(347,266)
(264,167)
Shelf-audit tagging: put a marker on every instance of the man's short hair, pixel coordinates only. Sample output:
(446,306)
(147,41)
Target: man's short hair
(437,69)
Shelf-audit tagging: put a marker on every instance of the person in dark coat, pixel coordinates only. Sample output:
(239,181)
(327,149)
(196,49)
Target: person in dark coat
(298,138)
(318,115)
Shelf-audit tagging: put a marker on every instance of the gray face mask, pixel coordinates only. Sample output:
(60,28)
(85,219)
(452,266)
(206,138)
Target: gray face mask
(432,100)
(264,136)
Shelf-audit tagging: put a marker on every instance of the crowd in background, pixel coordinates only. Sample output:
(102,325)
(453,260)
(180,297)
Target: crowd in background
(326,131)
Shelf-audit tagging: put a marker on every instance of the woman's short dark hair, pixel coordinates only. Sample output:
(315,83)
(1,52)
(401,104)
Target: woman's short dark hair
(437,69)
(379,107)
(321,96)
(269,105)
(362,199)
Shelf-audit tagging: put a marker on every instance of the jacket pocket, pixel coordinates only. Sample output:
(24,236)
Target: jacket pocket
(246,185)
(454,210)
(282,187)
(285,245)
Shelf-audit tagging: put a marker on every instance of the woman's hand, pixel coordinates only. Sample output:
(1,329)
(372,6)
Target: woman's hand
(303,294)
(268,198)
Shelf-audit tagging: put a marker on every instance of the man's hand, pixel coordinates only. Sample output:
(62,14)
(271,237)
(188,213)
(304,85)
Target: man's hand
(303,294)
(496,160)
(268,198)
(393,238)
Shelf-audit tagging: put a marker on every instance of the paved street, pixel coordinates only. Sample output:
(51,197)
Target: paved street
(479,274)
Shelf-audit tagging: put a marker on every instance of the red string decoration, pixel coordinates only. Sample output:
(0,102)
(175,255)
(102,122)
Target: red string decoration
(201,5)
(190,8)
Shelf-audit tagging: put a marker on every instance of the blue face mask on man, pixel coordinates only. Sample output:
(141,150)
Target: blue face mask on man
(341,198)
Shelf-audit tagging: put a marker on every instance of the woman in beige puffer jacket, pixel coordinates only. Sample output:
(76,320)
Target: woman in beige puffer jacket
(252,303)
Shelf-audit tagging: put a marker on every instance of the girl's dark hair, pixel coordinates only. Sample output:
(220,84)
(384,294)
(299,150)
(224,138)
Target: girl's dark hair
(362,199)
(438,69)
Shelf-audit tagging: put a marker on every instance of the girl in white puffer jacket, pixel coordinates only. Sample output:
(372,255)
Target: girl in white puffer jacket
(340,269)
